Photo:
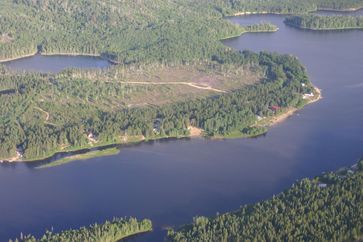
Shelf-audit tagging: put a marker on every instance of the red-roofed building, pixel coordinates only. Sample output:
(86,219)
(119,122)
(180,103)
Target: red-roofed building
(275,108)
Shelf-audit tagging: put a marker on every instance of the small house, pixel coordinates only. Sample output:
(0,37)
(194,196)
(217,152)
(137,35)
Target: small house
(322,185)
(275,108)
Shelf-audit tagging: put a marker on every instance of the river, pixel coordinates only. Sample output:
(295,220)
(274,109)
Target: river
(172,181)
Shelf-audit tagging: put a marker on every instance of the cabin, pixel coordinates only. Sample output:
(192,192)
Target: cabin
(308,95)
(19,152)
(275,108)
(322,185)
(157,125)
(91,137)
(259,118)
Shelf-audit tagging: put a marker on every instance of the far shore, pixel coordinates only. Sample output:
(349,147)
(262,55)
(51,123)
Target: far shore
(323,29)
(245,13)
(347,10)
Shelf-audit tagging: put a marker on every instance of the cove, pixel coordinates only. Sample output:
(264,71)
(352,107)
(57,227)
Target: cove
(172,181)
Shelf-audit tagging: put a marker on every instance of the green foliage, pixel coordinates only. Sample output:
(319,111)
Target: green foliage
(305,212)
(316,22)
(290,6)
(262,27)
(110,231)
(133,31)
(124,32)
(77,108)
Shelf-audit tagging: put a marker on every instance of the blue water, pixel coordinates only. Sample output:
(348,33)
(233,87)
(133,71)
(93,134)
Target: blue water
(173,181)
(57,63)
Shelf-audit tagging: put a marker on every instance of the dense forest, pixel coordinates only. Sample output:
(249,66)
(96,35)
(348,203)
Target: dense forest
(291,6)
(315,22)
(327,208)
(43,114)
(150,30)
(110,231)
(77,107)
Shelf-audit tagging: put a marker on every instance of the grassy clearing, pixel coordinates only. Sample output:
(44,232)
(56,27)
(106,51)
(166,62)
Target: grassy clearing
(88,155)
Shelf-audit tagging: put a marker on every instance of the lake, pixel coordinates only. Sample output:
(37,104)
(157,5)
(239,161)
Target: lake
(173,181)
(55,63)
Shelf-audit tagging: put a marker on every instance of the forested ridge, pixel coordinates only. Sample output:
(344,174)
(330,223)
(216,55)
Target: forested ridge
(290,6)
(327,208)
(133,31)
(110,231)
(316,22)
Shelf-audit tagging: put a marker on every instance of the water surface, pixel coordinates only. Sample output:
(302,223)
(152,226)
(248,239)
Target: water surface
(56,63)
(172,181)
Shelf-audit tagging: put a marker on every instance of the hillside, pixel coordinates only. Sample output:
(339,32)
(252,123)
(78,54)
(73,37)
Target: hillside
(133,31)
(327,208)
(315,22)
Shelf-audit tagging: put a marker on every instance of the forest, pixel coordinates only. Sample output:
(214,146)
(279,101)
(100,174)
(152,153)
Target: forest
(326,208)
(110,231)
(315,22)
(52,113)
(150,31)
(42,114)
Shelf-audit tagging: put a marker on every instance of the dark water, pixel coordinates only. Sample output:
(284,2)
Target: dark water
(54,64)
(172,181)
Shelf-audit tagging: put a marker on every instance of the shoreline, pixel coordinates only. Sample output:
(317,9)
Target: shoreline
(247,32)
(17,58)
(322,29)
(347,10)
(246,13)
(194,133)
(277,119)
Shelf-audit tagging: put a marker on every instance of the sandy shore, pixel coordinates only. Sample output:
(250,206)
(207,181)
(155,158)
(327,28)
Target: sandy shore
(195,132)
(291,111)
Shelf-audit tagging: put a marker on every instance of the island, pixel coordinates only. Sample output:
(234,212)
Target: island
(326,208)
(316,22)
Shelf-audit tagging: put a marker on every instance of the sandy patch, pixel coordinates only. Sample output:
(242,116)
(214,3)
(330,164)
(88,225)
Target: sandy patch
(195,132)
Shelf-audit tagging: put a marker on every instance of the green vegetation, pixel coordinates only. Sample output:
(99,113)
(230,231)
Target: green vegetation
(133,31)
(110,231)
(88,155)
(262,27)
(124,32)
(315,22)
(327,208)
(288,6)
(54,113)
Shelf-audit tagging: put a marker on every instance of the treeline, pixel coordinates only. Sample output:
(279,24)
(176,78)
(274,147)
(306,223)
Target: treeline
(261,27)
(110,231)
(315,22)
(150,31)
(75,107)
(162,31)
(327,208)
(289,6)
